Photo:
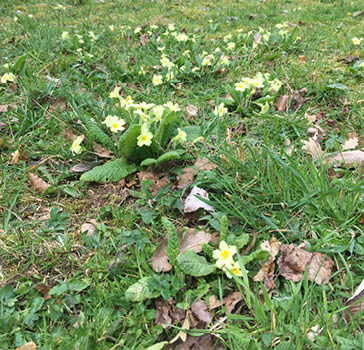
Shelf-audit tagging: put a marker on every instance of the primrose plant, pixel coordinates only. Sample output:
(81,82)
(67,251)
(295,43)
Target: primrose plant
(142,134)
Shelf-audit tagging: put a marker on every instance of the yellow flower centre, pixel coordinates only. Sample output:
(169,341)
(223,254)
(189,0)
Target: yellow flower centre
(115,125)
(144,138)
(235,271)
(225,254)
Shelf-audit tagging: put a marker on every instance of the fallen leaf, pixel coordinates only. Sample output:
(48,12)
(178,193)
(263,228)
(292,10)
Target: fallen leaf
(159,180)
(44,289)
(266,271)
(213,302)
(357,13)
(191,240)
(191,111)
(231,300)
(167,313)
(192,203)
(302,58)
(37,183)
(355,303)
(102,152)
(89,227)
(310,117)
(314,332)
(257,38)
(188,175)
(297,99)
(82,167)
(68,134)
(59,104)
(313,148)
(15,157)
(28,346)
(293,262)
(200,310)
(3,108)
(185,325)
(144,39)
(351,143)
(282,102)
(348,158)
(203,342)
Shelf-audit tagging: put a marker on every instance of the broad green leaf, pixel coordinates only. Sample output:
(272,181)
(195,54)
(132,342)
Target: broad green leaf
(128,141)
(78,285)
(149,161)
(338,86)
(158,346)
(19,63)
(111,171)
(193,132)
(168,156)
(59,289)
(166,127)
(140,291)
(259,254)
(193,264)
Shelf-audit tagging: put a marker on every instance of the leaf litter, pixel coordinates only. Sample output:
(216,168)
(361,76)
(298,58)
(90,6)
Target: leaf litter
(193,203)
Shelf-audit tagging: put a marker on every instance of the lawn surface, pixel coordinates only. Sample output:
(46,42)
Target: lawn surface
(264,100)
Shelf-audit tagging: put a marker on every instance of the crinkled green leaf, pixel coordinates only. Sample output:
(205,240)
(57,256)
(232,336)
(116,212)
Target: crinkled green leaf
(149,161)
(193,264)
(193,132)
(111,171)
(259,254)
(140,291)
(128,141)
(168,156)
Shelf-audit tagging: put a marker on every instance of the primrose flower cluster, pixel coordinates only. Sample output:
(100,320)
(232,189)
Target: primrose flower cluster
(260,90)
(7,77)
(224,257)
(82,44)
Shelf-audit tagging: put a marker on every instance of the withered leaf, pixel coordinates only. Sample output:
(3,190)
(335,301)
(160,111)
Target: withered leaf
(257,38)
(102,152)
(351,143)
(185,325)
(89,227)
(4,108)
(293,262)
(144,39)
(281,104)
(231,300)
(15,157)
(200,310)
(191,111)
(37,183)
(302,58)
(28,346)
(192,203)
(203,342)
(213,302)
(355,303)
(44,289)
(167,313)
(348,158)
(191,240)
(159,180)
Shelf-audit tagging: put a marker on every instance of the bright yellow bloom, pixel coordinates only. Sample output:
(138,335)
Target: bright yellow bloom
(7,77)
(76,144)
(356,41)
(220,110)
(65,35)
(224,255)
(157,79)
(114,123)
(240,86)
(234,267)
(11,77)
(165,61)
(257,83)
(182,37)
(145,137)
(181,137)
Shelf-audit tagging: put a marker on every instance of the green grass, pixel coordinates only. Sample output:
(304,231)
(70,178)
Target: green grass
(263,190)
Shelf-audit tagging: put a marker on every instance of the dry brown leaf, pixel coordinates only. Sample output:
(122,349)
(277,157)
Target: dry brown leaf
(310,117)
(4,108)
(231,300)
(159,180)
(68,134)
(167,313)
(185,325)
(282,102)
(293,262)
(357,13)
(102,152)
(203,342)
(200,310)
(348,158)
(266,271)
(192,203)
(191,240)
(37,183)
(302,58)
(28,346)
(191,111)
(213,302)
(15,157)
(144,39)
(44,289)
(59,104)
(351,143)
(257,38)
(355,303)
(89,227)
(313,148)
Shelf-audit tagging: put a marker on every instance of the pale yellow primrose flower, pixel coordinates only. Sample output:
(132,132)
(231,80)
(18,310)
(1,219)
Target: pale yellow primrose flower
(76,144)
(11,77)
(220,110)
(7,77)
(145,137)
(182,37)
(234,267)
(230,46)
(172,107)
(171,27)
(6,65)
(158,112)
(224,255)
(264,108)
(114,123)
(126,103)
(240,86)
(137,30)
(112,28)
(115,93)
(157,79)
(356,41)
(181,137)
(65,36)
